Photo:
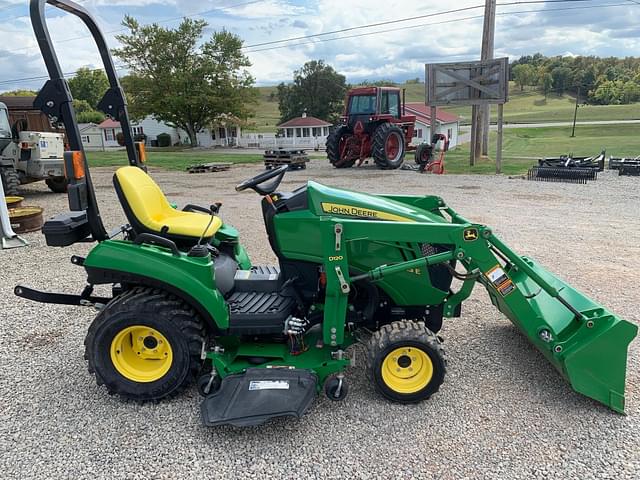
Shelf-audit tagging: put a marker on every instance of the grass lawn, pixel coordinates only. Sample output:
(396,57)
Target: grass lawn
(171,160)
(619,140)
(531,107)
(521,148)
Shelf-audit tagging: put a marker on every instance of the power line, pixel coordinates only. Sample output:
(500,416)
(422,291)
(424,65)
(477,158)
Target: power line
(165,20)
(205,12)
(70,74)
(433,23)
(407,19)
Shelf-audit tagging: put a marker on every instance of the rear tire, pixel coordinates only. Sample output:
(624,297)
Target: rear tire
(406,361)
(333,145)
(10,181)
(57,184)
(145,345)
(388,146)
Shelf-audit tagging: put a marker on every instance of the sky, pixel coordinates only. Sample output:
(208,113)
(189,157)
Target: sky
(394,51)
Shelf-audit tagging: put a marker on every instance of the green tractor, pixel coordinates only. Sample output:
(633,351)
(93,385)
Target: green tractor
(187,304)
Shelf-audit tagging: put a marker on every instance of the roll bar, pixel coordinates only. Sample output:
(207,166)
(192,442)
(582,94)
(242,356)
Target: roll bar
(55,100)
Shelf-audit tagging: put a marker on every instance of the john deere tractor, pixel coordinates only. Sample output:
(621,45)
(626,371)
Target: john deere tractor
(373,126)
(187,304)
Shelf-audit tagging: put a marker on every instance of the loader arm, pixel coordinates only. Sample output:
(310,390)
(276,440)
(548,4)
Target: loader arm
(585,342)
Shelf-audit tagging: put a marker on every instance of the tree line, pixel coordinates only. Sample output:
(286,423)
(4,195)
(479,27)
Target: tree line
(603,81)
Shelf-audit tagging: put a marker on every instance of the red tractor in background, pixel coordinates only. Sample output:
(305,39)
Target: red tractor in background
(373,126)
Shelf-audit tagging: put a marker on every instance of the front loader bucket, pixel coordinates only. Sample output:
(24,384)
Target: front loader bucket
(584,341)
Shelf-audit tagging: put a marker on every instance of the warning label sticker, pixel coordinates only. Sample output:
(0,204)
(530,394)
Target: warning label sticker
(500,280)
(506,288)
(497,276)
(269,385)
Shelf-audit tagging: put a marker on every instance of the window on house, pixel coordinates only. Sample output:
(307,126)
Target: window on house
(415,133)
(298,132)
(222,133)
(419,133)
(233,132)
(85,139)
(213,134)
(316,131)
(325,131)
(449,134)
(305,132)
(289,132)
(137,130)
(109,134)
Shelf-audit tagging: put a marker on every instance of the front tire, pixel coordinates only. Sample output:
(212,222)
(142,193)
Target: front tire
(388,147)
(145,345)
(406,361)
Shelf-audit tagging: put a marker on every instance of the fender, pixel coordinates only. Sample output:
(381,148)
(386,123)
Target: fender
(190,278)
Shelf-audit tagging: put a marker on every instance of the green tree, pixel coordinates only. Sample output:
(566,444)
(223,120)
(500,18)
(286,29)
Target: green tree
(630,92)
(85,113)
(182,81)
(608,93)
(20,93)
(561,78)
(524,74)
(546,83)
(89,85)
(316,88)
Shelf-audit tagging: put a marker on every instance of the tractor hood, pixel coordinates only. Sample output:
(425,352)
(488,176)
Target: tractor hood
(325,200)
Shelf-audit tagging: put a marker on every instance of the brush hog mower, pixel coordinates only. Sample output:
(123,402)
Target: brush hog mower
(568,169)
(425,155)
(187,304)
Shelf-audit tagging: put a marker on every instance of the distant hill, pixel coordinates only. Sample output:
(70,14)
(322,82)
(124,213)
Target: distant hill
(528,106)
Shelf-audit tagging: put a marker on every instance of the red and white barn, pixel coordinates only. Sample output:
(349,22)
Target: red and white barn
(448,123)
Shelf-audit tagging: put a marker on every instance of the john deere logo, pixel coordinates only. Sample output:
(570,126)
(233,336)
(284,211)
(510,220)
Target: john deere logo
(361,212)
(470,234)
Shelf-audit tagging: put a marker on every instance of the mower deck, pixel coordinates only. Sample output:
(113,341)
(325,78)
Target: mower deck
(258,395)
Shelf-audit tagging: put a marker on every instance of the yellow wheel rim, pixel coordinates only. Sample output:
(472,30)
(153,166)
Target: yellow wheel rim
(407,370)
(141,354)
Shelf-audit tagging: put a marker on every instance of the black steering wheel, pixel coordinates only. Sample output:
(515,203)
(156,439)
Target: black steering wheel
(256,182)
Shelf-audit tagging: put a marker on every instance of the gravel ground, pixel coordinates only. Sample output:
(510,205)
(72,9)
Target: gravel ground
(503,411)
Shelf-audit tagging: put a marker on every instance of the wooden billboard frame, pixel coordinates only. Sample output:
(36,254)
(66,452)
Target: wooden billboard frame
(487,83)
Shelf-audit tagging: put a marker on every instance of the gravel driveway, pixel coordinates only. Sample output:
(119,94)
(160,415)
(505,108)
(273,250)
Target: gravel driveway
(503,412)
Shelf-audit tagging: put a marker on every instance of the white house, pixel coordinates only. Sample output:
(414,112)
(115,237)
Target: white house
(448,123)
(91,136)
(225,133)
(226,136)
(304,131)
(109,130)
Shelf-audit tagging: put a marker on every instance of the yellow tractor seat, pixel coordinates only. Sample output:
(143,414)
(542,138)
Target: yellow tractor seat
(148,210)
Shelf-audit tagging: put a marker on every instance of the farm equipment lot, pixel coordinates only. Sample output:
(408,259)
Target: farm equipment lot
(503,411)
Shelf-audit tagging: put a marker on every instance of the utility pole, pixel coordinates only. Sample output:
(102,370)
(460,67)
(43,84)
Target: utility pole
(488,36)
(480,113)
(575,114)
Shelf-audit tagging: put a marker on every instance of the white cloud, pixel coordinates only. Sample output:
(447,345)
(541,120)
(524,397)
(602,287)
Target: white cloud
(396,54)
